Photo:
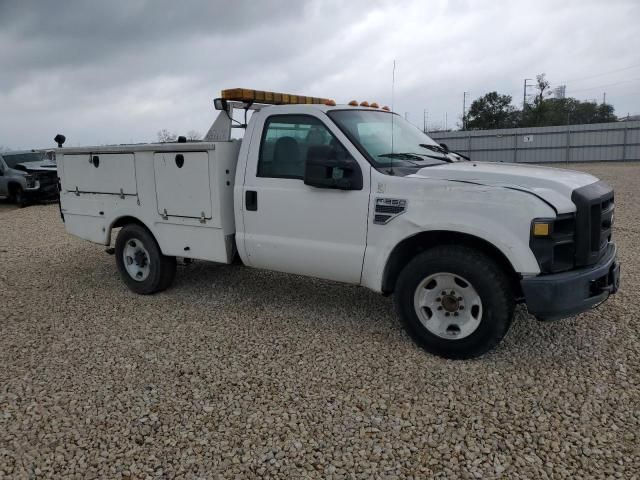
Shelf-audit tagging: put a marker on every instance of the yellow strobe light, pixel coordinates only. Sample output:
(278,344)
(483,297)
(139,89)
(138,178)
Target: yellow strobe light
(271,98)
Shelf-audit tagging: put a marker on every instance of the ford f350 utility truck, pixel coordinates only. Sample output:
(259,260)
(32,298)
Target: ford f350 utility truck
(355,194)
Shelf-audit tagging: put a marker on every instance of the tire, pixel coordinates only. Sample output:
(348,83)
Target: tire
(465,322)
(141,264)
(17,196)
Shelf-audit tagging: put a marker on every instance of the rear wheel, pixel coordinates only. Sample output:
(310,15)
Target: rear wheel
(140,262)
(454,301)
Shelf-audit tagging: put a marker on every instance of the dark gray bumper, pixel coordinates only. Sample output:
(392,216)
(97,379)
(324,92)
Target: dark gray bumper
(550,297)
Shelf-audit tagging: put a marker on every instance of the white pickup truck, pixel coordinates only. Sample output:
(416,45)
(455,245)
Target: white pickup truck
(355,194)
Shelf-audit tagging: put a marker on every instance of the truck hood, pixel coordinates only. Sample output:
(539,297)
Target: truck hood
(38,166)
(553,185)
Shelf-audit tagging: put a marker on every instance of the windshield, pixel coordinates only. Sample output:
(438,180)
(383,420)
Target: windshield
(372,130)
(12,159)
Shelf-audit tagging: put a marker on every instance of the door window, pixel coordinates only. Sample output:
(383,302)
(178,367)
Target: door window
(285,142)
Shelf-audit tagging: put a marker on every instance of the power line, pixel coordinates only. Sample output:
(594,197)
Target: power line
(601,74)
(605,85)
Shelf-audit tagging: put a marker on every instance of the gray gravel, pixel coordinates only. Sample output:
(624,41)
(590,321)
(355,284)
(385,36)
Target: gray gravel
(243,373)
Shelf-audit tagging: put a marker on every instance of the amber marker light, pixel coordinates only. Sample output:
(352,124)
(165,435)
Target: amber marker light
(374,105)
(541,229)
(353,103)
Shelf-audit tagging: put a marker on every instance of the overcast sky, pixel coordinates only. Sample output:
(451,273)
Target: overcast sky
(119,71)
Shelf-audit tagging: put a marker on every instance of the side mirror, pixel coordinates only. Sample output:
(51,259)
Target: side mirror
(59,139)
(327,167)
(445,147)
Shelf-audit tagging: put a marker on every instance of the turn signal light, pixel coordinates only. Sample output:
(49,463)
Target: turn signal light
(330,103)
(541,229)
(270,98)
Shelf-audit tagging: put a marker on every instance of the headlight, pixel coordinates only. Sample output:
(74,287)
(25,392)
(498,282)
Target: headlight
(552,241)
(31,181)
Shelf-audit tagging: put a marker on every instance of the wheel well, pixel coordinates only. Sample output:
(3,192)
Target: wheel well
(412,246)
(13,186)
(126,220)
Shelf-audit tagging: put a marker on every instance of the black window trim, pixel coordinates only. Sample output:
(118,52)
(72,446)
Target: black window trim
(265,127)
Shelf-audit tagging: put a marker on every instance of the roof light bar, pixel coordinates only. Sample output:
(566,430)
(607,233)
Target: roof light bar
(269,98)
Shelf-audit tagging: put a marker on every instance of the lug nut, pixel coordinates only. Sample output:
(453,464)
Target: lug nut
(461,307)
(438,299)
(447,314)
(440,308)
(455,314)
(459,299)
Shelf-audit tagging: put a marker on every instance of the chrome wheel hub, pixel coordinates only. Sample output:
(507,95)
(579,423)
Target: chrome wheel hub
(448,305)
(136,260)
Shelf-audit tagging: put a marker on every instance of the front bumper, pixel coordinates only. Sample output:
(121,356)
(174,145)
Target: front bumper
(41,191)
(559,295)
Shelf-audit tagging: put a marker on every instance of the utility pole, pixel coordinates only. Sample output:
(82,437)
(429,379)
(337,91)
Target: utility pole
(464,107)
(524,95)
(424,121)
(604,98)
(445,121)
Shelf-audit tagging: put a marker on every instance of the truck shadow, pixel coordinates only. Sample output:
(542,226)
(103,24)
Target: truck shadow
(260,290)
(284,298)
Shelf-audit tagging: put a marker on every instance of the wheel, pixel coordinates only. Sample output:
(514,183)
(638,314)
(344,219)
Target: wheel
(17,196)
(140,262)
(454,301)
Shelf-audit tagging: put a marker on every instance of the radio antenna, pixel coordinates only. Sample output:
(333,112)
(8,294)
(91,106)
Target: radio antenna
(393,87)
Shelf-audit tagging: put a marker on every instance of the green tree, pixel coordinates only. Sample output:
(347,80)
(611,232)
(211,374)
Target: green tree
(535,115)
(492,110)
(570,111)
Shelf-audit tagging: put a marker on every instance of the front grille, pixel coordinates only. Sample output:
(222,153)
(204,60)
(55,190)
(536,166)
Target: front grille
(594,221)
(46,178)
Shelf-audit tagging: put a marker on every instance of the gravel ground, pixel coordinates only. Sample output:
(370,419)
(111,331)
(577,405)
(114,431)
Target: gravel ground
(5,206)
(243,373)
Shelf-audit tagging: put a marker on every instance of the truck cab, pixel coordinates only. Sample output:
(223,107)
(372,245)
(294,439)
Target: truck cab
(355,194)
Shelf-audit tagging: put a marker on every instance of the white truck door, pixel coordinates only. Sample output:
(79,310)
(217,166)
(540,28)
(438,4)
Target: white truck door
(297,228)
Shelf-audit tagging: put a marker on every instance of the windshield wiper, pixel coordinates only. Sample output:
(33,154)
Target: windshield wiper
(439,149)
(434,148)
(411,155)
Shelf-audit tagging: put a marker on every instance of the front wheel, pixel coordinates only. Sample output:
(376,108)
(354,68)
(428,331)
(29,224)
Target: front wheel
(455,301)
(17,197)
(140,262)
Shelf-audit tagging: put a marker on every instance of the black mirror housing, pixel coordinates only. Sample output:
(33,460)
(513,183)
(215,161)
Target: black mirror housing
(327,167)
(59,139)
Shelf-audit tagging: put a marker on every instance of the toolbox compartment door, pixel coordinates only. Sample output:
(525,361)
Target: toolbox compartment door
(183,186)
(100,173)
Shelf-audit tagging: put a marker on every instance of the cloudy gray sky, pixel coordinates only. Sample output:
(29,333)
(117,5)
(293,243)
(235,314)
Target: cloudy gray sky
(118,71)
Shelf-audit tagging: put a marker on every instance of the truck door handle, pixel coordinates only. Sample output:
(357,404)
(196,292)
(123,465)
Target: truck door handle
(251,200)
